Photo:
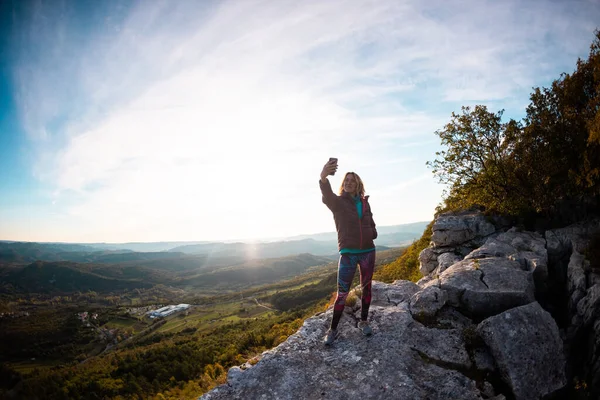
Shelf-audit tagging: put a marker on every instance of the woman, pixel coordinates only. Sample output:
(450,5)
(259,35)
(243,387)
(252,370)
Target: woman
(356,232)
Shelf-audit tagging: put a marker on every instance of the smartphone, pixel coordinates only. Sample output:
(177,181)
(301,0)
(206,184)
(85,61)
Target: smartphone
(333,160)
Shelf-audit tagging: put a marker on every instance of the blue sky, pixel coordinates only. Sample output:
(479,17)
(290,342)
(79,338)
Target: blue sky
(211,120)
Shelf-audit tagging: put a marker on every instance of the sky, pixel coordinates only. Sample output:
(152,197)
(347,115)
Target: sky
(211,120)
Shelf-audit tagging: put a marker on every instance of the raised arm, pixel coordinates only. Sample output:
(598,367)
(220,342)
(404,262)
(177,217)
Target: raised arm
(329,198)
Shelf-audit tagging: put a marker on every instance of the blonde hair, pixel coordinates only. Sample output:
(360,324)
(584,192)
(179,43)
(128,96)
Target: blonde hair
(360,187)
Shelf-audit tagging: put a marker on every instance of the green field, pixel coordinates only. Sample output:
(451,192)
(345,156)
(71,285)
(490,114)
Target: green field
(208,317)
(121,323)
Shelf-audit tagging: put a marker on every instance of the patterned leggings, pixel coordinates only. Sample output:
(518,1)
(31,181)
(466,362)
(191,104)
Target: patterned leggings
(346,270)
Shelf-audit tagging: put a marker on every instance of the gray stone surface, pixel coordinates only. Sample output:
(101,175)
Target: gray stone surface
(528,350)
(446,260)
(487,390)
(524,241)
(403,359)
(452,229)
(427,281)
(383,294)
(427,261)
(592,278)
(483,359)
(573,237)
(538,265)
(527,248)
(487,286)
(450,318)
(427,302)
(492,248)
(428,342)
(588,307)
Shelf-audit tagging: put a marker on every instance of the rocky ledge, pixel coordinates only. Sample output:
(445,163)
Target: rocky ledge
(472,328)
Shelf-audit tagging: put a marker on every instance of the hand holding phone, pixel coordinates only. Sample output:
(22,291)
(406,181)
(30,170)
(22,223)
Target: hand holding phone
(333,165)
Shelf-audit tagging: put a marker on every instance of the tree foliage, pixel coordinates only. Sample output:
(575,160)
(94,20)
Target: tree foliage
(474,165)
(548,164)
(406,267)
(174,366)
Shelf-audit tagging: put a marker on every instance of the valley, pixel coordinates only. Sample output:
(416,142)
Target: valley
(82,329)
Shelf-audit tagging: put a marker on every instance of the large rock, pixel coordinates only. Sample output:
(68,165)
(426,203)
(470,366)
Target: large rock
(588,308)
(453,229)
(569,268)
(488,286)
(402,360)
(383,294)
(427,261)
(427,302)
(524,241)
(492,248)
(446,260)
(527,248)
(573,237)
(528,350)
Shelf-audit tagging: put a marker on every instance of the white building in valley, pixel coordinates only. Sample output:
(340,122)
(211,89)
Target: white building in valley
(167,310)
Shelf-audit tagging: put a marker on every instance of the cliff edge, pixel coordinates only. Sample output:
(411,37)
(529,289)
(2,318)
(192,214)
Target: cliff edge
(481,324)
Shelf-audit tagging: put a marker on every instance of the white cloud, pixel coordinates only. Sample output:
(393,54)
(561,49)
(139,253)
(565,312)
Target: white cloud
(189,122)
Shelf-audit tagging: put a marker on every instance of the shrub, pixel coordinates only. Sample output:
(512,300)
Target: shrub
(351,299)
(406,267)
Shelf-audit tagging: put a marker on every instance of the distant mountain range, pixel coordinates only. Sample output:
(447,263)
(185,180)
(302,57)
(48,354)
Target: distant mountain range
(194,272)
(207,266)
(319,244)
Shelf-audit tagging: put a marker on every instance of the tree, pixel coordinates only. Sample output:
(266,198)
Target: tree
(560,145)
(548,165)
(474,165)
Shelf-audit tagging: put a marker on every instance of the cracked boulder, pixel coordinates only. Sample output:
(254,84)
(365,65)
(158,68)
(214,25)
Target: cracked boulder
(527,248)
(427,261)
(573,237)
(588,307)
(524,241)
(427,302)
(527,349)
(530,252)
(446,260)
(383,294)
(488,286)
(492,248)
(454,229)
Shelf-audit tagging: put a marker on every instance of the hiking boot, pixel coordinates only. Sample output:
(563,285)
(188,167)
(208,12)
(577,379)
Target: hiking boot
(365,328)
(330,337)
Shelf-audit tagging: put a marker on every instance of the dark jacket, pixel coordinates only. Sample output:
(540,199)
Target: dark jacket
(353,232)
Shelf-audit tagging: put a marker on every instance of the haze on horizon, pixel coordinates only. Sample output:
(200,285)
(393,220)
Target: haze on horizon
(171,121)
